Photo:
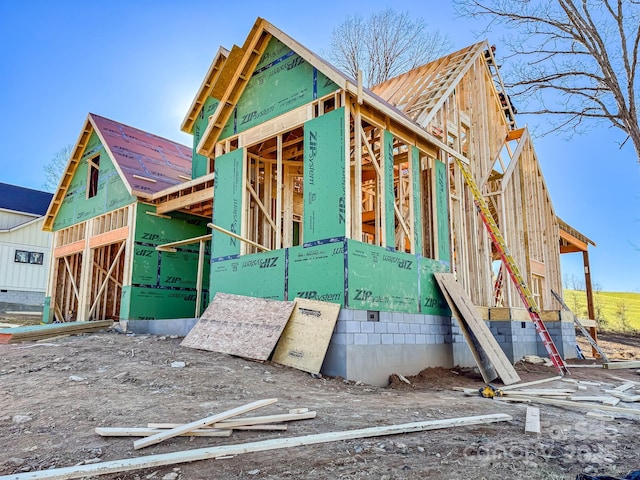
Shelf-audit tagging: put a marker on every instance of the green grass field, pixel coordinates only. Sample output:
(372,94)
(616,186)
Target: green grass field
(616,311)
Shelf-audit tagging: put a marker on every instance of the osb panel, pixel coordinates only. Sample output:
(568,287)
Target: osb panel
(247,327)
(304,342)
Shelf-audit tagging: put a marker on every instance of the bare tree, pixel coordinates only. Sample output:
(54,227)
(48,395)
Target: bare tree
(384,45)
(578,59)
(55,168)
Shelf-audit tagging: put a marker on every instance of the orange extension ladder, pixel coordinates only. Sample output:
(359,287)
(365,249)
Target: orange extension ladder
(509,264)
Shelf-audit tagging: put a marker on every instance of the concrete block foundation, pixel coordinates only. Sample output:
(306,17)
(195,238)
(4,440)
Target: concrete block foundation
(369,348)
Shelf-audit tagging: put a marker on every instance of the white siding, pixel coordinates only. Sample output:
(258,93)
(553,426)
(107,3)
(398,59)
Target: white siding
(11,219)
(24,276)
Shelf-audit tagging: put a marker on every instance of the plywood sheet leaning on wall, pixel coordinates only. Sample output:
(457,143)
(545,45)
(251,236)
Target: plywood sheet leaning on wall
(476,325)
(247,327)
(304,342)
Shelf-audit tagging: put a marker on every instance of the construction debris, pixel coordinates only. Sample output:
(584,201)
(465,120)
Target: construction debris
(174,432)
(532,422)
(622,364)
(151,461)
(32,333)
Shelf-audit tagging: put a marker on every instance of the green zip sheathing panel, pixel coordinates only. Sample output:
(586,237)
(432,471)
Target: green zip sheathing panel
(227,196)
(317,273)
(389,198)
(442,211)
(373,278)
(111,193)
(47,314)
(431,300)
(417,199)
(255,275)
(163,284)
(199,162)
(324,177)
(380,279)
(281,82)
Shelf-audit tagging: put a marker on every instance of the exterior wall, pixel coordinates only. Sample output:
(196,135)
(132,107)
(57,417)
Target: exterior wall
(24,277)
(163,284)
(10,219)
(111,194)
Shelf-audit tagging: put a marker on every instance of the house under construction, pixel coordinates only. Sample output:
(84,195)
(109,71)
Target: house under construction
(301,183)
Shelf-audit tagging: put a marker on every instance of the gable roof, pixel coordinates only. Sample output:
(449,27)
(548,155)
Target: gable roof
(241,63)
(205,89)
(419,93)
(24,200)
(145,162)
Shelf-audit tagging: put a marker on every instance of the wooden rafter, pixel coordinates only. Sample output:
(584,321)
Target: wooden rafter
(205,89)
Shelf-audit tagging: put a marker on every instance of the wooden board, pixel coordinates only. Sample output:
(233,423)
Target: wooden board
(532,422)
(534,382)
(572,404)
(38,332)
(482,361)
(247,327)
(147,432)
(627,364)
(305,339)
(152,461)
(204,422)
(478,327)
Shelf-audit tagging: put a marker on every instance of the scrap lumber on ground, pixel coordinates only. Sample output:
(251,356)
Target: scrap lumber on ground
(152,461)
(528,384)
(174,432)
(532,422)
(572,404)
(38,332)
(623,364)
(147,432)
(264,426)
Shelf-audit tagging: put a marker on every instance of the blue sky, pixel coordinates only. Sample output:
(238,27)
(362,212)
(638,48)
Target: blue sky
(141,62)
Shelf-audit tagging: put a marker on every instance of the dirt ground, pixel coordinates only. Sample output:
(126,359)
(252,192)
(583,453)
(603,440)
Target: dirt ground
(53,395)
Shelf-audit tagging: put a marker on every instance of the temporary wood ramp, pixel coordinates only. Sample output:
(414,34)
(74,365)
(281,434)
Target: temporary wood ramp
(468,315)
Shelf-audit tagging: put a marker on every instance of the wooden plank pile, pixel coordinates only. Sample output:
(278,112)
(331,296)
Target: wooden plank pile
(219,425)
(223,425)
(39,332)
(607,400)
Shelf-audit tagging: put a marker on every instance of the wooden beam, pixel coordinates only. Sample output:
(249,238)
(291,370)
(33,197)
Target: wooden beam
(238,237)
(147,432)
(174,432)
(618,365)
(527,384)
(185,201)
(216,426)
(70,249)
(152,461)
(109,237)
(571,404)
(168,246)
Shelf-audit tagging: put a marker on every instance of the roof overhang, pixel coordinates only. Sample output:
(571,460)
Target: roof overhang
(571,240)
